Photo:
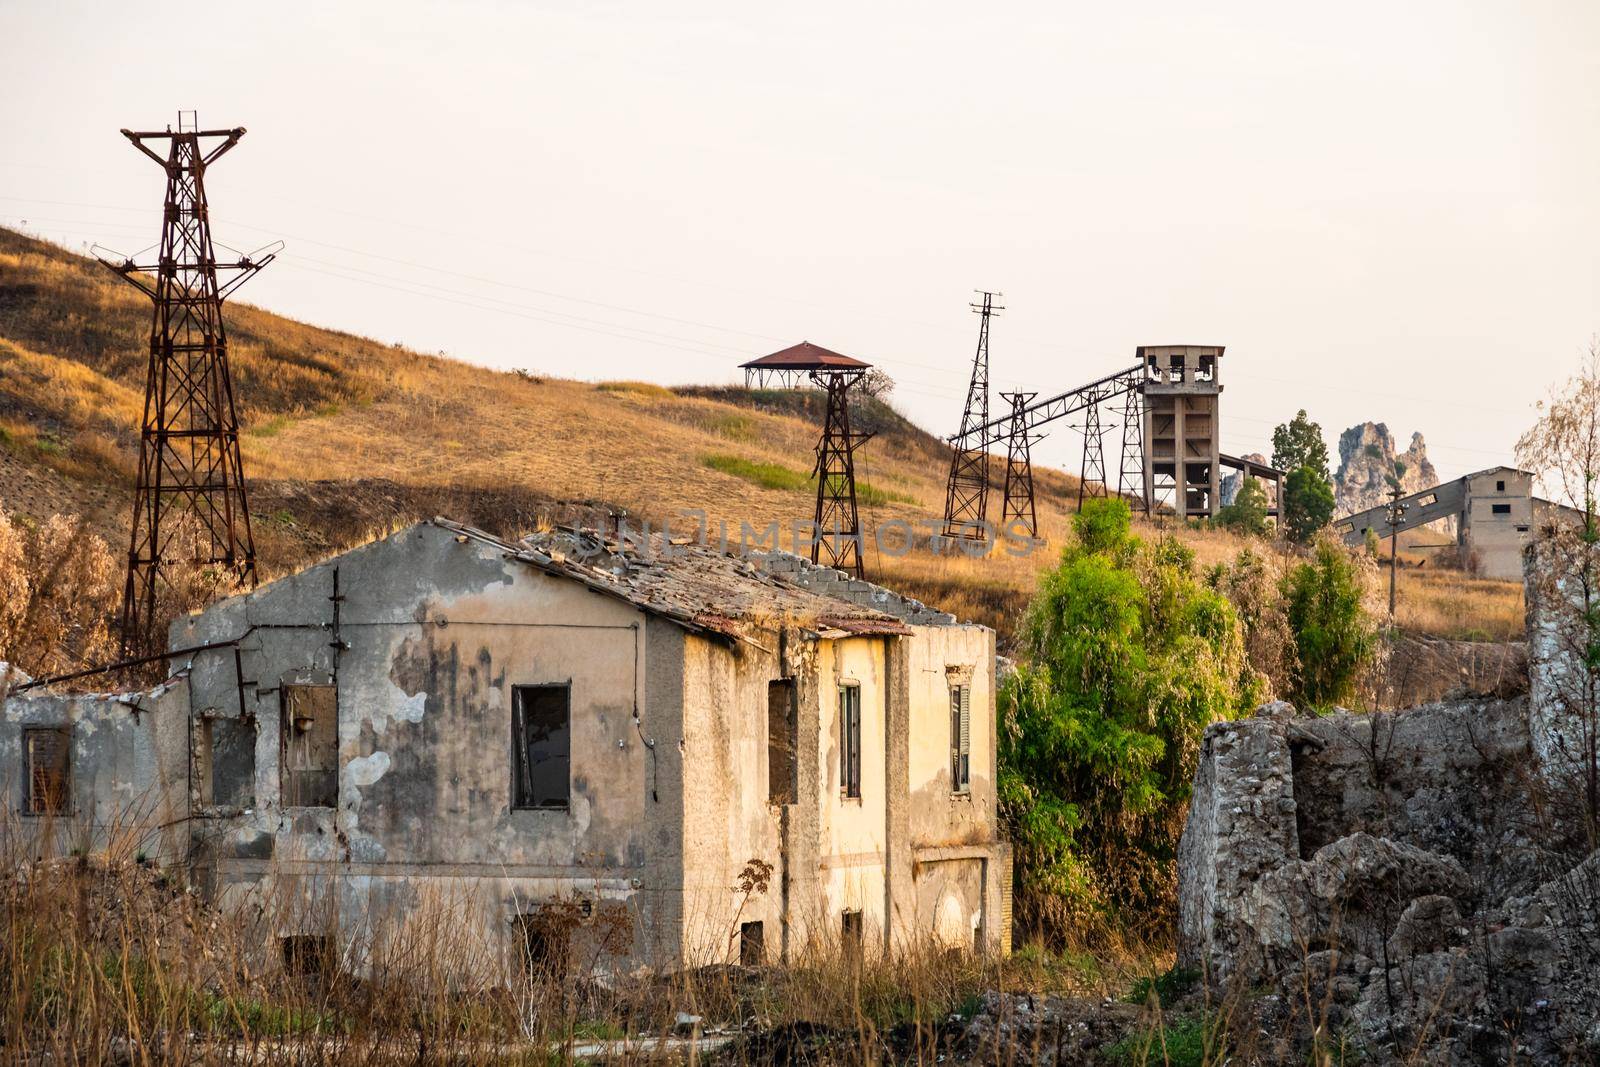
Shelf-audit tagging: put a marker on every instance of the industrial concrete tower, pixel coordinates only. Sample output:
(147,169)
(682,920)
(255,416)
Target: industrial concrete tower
(1182,439)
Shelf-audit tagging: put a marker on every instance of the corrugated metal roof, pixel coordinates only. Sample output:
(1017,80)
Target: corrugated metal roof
(806,356)
(693,585)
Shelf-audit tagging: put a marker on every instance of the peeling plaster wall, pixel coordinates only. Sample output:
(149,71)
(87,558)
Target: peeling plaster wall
(727,821)
(956,855)
(435,634)
(127,773)
(853,831)
(422,637)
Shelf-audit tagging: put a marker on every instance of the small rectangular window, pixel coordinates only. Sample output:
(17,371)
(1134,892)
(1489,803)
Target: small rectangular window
(851,937)
(46,752)
(546,945)
(308,955)
(960,738)
(1501,509)
(752,944)
(310,746)
(781,763)
(850,739)
(541,746)
(1499,487)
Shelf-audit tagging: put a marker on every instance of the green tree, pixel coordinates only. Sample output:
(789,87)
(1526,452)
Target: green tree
(1248,512)
(1307,504)
(1126,656)
(1299,443)
(1334,637)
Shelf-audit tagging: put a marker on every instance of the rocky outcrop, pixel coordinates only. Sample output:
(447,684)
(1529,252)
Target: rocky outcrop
(1366,459)
(1228,488)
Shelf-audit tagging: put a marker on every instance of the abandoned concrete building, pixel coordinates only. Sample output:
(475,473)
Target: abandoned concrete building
(740,757)
(1491,513)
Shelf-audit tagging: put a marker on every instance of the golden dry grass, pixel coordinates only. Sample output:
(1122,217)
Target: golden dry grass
(320,404)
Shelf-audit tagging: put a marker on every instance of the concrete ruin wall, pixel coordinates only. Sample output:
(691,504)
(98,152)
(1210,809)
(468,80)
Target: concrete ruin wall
(1419,876)
(127,774)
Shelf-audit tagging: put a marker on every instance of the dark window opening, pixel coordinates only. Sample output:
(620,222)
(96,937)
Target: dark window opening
(1522,529)
(1499,487)
(1500,509)
(781,762)
(960,738)
(851,939)
(308,955)
(850,740)
(546,947)
(46,752)
(225,762)
(752,944)
(541,746)
(310,747)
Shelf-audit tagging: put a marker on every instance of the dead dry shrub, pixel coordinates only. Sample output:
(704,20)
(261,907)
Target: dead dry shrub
(59,586)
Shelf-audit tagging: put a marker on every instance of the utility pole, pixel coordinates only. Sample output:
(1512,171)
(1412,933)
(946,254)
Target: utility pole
(189,498)
(1396,511)
(966,498)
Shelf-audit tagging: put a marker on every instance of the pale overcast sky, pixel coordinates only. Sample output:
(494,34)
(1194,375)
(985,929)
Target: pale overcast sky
(1385,211)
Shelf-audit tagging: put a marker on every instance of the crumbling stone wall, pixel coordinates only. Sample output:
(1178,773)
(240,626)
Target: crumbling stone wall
(1417,883)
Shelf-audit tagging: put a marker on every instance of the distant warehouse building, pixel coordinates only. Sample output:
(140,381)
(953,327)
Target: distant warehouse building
(1493,513)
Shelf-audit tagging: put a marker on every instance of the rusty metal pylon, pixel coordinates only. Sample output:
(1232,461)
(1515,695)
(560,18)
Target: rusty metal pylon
(1017,504)
(837,538)
(966,498)
(189,498)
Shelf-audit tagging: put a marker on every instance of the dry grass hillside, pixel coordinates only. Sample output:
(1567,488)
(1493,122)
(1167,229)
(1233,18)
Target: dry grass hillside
(345,436)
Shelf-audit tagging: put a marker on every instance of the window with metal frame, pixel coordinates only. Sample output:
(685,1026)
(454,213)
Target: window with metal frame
(541,746)
(960,738)
(850,739)
(46,755)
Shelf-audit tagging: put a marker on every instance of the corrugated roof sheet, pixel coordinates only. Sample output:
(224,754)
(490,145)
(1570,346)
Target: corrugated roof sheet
(693,585)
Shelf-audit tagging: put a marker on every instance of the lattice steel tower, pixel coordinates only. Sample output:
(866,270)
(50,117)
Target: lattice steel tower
(1017,505)
(966,498)
(189,501)
(837,538)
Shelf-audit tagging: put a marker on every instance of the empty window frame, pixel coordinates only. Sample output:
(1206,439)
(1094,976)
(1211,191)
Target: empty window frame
(781,763)
(309,749)
(546,946)
(309,955)
(541,746)
(1500,509)
(752,944)
(1499,487)
(960,738)
(850,740)
(46,779)
(224,762)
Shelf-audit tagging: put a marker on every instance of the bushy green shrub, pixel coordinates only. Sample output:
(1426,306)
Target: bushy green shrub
(1248,512)
(1333,634)
(1126,656)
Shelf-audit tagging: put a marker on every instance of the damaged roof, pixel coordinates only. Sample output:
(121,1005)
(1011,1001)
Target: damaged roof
(693,585)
